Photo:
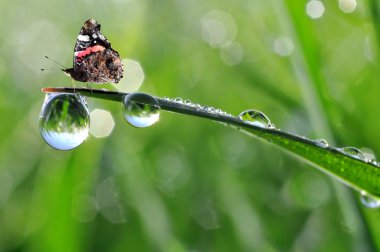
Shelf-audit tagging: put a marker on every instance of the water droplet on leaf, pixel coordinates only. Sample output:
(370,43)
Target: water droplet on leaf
(369,156)
(141,110)
(353,152)
(198,106)
(374,162)
(369,200)
(255,118)
(64,120)
(321,143)
(209,109)
(178,100)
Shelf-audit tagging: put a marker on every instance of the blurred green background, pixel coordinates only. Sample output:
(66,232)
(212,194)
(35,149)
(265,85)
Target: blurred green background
(188,184)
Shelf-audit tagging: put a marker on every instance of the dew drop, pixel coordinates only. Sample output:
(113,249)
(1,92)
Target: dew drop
(369,156)
(353,152)
(198,106)
(178,100)
(369,200)
(209,109)
(141,110)
(255,118)
(321,143)
(64,120)
(373,162)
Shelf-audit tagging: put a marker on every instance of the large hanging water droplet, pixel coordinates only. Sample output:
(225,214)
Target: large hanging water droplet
(353,152)
(369,201)
(256,118)
(64,120)
(141,110)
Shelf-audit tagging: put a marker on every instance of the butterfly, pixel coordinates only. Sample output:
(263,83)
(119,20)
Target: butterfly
(94,59)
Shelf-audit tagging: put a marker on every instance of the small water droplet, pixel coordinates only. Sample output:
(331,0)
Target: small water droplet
(198,106)
(373,162)
(369,155)
(64,120)
(166,98)
(209,109)
(141,110)
(321,143)
(369,200)
(178,100)
(256,118)
(353,152)
(188,102)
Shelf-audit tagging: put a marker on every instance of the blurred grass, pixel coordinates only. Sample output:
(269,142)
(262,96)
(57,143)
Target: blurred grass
(188,184)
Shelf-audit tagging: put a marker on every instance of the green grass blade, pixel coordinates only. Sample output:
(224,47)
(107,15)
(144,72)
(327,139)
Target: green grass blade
(358,174)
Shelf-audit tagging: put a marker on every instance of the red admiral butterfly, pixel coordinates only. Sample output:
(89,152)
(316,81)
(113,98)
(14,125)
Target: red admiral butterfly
(94,59)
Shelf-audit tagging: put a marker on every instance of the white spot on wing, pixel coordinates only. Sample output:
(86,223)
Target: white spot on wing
(84,38)
(94,36)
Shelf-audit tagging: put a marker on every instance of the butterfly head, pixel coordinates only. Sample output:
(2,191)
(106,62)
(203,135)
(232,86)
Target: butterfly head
(90,27)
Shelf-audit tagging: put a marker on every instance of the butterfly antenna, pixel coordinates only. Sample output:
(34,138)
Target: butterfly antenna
(50,69)
(56,62)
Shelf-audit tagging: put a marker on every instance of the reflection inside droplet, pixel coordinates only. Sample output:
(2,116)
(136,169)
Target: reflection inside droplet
(321,143)
(256,118)
(353,152)
(141,110)
(64,120)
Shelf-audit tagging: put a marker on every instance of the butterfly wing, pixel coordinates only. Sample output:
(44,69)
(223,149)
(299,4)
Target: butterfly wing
(94,59)
(89,40)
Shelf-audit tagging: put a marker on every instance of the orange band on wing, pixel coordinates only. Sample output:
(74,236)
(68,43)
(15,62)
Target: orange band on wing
(96,48)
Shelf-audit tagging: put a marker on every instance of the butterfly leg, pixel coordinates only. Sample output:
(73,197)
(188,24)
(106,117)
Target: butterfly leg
(73,84)
(89,87)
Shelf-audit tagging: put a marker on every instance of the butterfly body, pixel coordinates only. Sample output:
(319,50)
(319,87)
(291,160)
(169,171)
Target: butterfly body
(94,59)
